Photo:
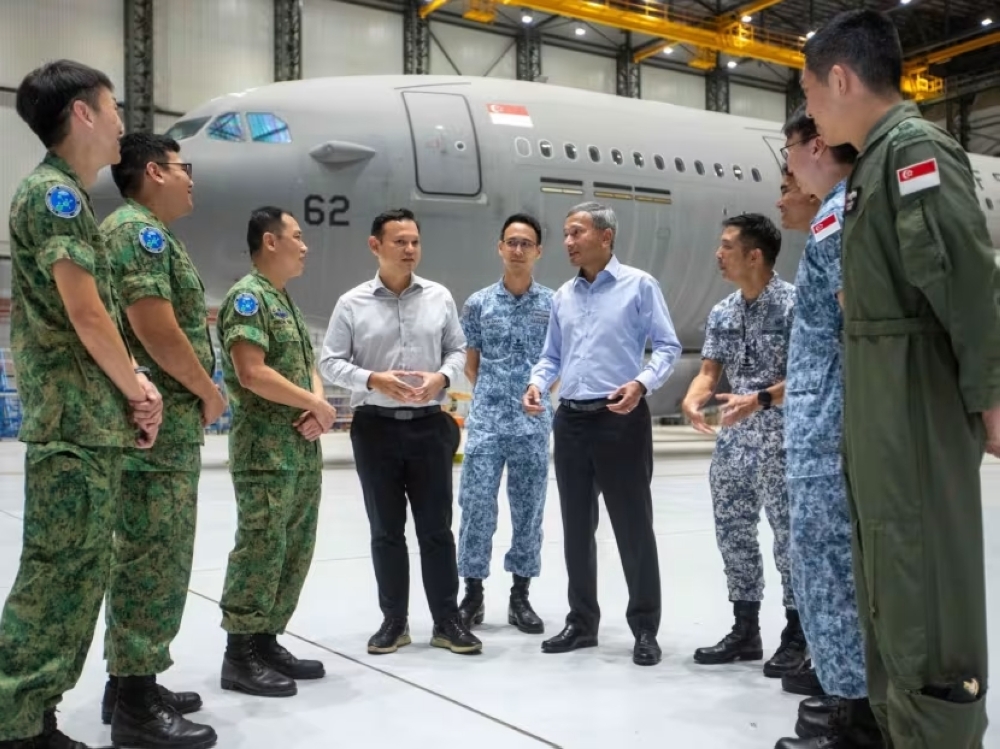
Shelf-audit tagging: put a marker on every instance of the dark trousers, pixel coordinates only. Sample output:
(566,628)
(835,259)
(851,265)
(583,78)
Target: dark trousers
(612,454)
(411,459)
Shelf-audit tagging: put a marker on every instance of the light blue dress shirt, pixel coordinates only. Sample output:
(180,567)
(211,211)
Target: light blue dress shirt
(598,331)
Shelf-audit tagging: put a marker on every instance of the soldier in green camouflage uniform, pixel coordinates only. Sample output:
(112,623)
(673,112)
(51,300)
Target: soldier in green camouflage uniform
(164,300)
(279,413)
(83,401)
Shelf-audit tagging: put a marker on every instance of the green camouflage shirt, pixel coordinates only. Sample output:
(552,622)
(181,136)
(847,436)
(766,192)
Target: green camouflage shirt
(262,437)
(150,262)
(65,395)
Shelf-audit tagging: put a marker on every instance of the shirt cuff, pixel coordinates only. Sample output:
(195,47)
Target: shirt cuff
(359,380)
(646,380)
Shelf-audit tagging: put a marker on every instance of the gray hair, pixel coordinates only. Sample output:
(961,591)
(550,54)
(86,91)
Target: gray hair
(602,216)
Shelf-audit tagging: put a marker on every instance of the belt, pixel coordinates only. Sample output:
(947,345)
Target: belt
(595,404)
(399,414)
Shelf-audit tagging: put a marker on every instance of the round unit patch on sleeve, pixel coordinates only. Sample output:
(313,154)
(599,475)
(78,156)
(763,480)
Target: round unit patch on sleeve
(152,240)
(63,201)
(246,304)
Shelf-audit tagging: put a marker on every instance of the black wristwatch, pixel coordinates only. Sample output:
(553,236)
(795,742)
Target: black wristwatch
(144,371)
(764,399)
(447,382)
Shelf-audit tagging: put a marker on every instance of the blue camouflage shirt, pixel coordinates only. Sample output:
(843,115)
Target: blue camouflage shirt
(814,392)
(750,340)
(509,333)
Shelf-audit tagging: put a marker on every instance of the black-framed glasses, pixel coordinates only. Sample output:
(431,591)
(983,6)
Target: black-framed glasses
(784,149)
(524,244)
(187,167)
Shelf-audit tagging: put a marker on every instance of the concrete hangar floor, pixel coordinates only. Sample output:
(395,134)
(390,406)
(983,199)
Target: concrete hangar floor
(512,696)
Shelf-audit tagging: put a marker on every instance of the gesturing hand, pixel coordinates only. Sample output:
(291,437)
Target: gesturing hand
(531,402)
(626,397)
(735,408)
(692,410)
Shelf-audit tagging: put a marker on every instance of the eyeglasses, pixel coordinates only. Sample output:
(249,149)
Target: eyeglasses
(189,168)
(524,244)
(784,149)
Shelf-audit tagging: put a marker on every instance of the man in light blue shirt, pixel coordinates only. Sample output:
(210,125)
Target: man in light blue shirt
(598,328)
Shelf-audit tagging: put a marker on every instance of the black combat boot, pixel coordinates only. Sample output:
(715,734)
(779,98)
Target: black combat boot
(803,680)
(278,658)
(451,633)
(519,612)
(743,643)
(391,636)
(791,654)
(472,610)
(814,716)
(182,702)
(852,726)
(245,670)
(142,719)
(50,737)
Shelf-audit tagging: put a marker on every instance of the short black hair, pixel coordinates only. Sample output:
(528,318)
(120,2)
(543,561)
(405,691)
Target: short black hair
(527,220)
(46,95)
(867,42)
(138,149)
(804,126)
(396,214)
(263,220)
(757,231)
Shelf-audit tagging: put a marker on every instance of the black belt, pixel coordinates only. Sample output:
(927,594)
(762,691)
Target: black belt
(595,404)
(400,414)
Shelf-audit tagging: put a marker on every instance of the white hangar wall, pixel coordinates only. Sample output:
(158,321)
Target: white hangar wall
(345,39)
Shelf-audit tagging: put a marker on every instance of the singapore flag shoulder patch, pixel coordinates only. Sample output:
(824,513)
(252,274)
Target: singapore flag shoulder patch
(920,176)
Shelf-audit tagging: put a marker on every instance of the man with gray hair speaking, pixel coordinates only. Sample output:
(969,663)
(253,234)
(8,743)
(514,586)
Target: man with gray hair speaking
(598,328)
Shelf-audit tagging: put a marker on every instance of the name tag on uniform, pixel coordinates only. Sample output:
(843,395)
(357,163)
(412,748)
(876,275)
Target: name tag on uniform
(917,177)
(825,227)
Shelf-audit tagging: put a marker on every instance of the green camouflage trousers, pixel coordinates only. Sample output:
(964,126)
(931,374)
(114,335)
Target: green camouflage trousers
(275,537)
(49,619)
(151,563)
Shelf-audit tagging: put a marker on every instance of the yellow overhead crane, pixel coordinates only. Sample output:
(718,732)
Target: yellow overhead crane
(711,36)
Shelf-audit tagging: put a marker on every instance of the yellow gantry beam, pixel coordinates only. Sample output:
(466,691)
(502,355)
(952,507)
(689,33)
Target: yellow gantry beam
(430,7)
(751,9)
(921,63)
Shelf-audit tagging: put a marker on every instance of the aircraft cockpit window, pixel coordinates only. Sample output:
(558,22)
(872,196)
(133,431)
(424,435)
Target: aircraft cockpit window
(266,127)
(571,152)
(640,161)
(679,164)
(738,172)
(186,128)
(545,148)
(755,173)
(595,154)
(523,147)
(226,127)
(660,164)
(699,167)
(616,156)
(989,203)
(719,171)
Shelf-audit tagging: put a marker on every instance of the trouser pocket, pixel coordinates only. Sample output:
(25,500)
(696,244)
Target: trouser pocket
(917,721)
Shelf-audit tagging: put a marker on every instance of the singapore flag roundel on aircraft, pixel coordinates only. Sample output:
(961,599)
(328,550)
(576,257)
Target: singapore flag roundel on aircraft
(509,114)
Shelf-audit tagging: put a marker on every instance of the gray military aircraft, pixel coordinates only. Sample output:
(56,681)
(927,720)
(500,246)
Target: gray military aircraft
(464,153)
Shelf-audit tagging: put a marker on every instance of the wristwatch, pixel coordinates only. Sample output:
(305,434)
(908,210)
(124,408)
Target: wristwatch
(764,399)
(144,371)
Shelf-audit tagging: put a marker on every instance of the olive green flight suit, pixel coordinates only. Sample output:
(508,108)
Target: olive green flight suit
(76,424)
(921,362)
(157,513)
(277,473)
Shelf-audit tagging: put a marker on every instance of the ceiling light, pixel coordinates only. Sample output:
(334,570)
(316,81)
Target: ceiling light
(987,21)
(580,31)
(668,50)
(904,2)
(526,18)
(731,64)
(747,19)
(810,35)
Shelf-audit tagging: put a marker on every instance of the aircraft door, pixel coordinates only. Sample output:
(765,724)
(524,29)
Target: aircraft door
(446,150)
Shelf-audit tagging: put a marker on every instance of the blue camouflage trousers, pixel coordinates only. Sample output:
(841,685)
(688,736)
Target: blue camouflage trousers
(823,577)
(748,472)
(527,460)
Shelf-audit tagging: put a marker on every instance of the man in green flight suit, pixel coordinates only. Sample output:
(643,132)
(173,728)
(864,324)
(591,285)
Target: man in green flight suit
(279,414)
(83,400)
(164,300)
(922,387)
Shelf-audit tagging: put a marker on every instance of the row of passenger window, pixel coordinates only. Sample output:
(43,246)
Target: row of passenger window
(546,149)
(261,127)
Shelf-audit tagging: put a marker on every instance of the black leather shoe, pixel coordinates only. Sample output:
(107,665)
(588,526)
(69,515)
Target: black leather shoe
(144,721)
(278,658)
(244,670)
(519,612)
(391,636)
(453,635)
(183,702)
(647,651)
(803,680)
(472,610)
(571,638)
(814,716)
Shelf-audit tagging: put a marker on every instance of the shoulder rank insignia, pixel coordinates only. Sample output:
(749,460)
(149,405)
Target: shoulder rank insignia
(825,227)
(63,201)
(246,304)
(152,240)
(280,313)
(919,176)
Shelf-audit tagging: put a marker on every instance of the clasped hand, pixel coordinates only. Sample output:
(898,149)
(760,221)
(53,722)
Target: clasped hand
(312,424)
(147,414)
(393,385)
